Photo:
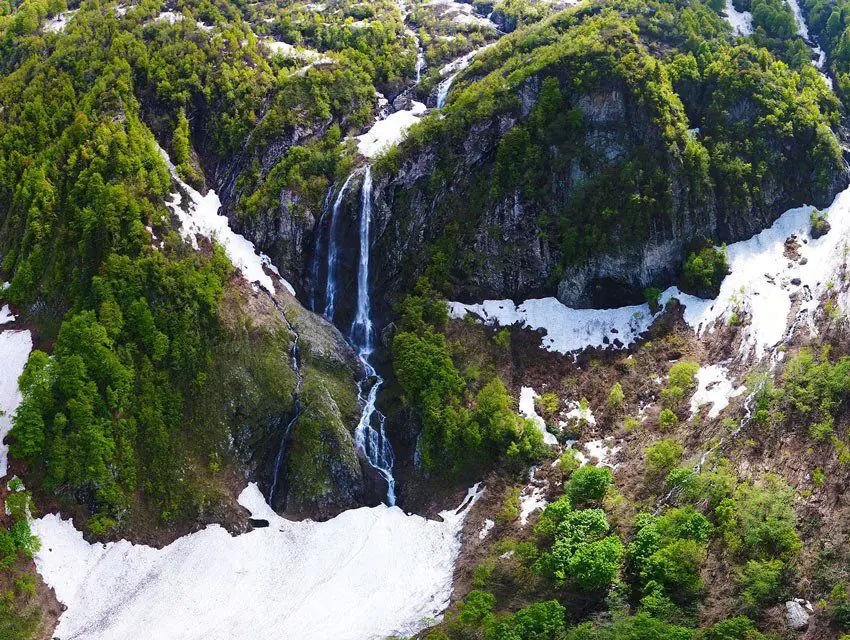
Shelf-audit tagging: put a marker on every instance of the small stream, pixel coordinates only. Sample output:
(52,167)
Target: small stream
(295,363)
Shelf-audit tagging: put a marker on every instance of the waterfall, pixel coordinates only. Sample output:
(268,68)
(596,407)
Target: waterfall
(362,332)
(372,442)
(443,90)
(420,62)
(333,249)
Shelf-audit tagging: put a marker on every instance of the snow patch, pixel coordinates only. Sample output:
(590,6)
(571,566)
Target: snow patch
(200,216)
(758,291)
(15,348)
(527,409)
(715,388)
(531,500)
(6,315)
(389,131)
(368,573)
(602,450)
(58,23)
(567,329)
(287,50)
(485,529)
(170,17)
(577,412)
(741,21)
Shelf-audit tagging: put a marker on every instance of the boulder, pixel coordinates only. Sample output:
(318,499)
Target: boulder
(796,615)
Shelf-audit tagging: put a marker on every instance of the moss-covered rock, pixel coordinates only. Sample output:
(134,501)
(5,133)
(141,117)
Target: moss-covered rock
(323,472)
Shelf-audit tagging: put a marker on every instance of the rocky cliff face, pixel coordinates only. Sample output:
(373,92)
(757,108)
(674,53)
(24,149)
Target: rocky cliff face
(509,238)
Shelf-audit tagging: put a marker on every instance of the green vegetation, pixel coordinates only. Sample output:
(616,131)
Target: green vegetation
(704,271)
(589,484)
(20,617)
(819,224)
(647,573)
(661,457)
(682,379)
(463,428)
(587,193)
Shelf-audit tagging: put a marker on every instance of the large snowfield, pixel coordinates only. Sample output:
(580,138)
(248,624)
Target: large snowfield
(15,347)
(368,573)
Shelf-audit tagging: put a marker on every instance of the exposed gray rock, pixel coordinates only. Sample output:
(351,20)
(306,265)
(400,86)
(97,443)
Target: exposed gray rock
(796,615)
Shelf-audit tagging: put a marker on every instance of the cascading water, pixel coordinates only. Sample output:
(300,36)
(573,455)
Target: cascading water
(333,250)
(371,441)
(443,90)
(420,63)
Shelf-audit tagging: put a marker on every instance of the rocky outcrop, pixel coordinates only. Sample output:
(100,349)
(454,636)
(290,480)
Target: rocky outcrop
(249,393)
(323,474)
(504,246)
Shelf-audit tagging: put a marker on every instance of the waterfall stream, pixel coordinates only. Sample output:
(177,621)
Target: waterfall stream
(333,251)
(372,442)
(370,435)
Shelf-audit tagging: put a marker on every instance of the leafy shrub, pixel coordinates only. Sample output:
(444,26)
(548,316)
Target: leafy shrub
(616,396)
(569,462)
(662,456)
(667,420)
(589,485)
(819,224)
(704,271)
(761,583)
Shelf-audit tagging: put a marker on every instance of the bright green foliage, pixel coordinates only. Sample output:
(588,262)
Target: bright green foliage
(583,555)
(589,485)
(616,396)
(551,517)
(667,553)
(758,522)
(740,628)
(20,616)
(662,456)
(667,420)
(683,374)
(539,621)
(704,271)
(817,390)
(639,627)
(461,430)
(761,583)
(569,462)
(586,194)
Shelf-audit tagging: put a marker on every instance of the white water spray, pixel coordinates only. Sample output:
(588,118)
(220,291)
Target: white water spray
(371,441)
(333,230)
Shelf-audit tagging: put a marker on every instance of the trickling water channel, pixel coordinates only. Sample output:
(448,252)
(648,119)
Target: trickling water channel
(295,363)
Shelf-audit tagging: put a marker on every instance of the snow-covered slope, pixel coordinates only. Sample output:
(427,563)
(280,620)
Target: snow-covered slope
(15,347)
(368,573)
